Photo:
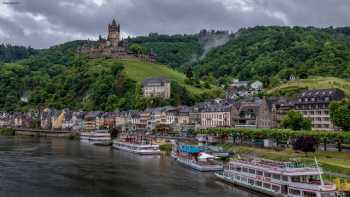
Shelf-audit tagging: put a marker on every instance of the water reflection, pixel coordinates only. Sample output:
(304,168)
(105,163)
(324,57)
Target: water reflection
(35,167)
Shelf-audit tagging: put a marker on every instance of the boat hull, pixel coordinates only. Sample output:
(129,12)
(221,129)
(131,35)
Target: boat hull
(196,166)
(246,186)
(136,148)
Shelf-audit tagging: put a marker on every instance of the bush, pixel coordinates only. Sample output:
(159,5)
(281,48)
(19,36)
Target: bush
(165,147)
(7,132)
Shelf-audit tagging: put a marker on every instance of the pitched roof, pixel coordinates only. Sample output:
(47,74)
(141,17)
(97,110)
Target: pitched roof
(155,81)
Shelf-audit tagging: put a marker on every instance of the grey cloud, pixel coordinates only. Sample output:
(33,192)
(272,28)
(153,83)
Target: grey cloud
(44,23)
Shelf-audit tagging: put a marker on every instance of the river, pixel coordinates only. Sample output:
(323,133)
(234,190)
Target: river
(48,167)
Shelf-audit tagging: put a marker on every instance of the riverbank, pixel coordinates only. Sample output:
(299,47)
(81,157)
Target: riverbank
(331,162)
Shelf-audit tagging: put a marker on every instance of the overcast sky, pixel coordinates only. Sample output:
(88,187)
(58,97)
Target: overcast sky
(43,23)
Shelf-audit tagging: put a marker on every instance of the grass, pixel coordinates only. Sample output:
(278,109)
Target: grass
(312,83)
(138,71)
(334,162)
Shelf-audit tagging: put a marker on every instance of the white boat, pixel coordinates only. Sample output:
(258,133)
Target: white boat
(192,157)
(97,137)
(286,179)
(141,149)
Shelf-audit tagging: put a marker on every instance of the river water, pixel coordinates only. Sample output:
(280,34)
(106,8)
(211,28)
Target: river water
(43,167)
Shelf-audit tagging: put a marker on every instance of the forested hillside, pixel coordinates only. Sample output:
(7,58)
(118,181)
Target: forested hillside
(271,54)
(61,78)
(10,53)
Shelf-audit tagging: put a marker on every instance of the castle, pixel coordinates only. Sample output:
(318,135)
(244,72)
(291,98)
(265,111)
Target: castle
(112,47)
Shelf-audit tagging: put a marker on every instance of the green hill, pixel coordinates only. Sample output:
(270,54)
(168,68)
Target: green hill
(292,87)
(137,71)
(270,53)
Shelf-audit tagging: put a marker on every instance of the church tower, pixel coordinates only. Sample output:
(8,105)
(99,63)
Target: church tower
(113,34)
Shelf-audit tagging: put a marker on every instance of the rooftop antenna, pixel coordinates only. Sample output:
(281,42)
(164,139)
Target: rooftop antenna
(319,171)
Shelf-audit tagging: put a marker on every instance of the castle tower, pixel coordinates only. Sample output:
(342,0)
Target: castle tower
(113,33)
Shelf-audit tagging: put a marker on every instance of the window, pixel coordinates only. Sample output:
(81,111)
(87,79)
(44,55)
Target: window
(245,169)
(275,188)
(258,183)
(296,179)
(243,179)
(294,192)
(268,186)
(251,181)
(266,174)
(309,194)
(259,173)
(238,178)
(238,169)
(285,178)
(276,176)
(251,171)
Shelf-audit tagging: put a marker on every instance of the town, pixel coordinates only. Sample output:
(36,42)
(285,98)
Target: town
(247,112)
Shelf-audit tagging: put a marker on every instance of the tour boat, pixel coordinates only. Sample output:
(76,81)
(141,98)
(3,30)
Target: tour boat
(138,144)
(195,158)
(96,137)
(286,179)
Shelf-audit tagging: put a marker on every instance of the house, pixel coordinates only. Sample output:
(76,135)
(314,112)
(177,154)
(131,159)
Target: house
(46,118)
(121,120)
(215,116)
(17,119)
(156,87)
(252,114)
(91,120)
(279,108)
(183,116)
(314,104)
(109,120)
(57,119)
(78,121)
(67,120)
(5,120)
(256,85)
(243,89)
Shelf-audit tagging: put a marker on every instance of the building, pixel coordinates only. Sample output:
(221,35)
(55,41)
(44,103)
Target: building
(252,114)
(156,87)
(279,108)
(112,46)
(215,116)
(243,89)
(92,120)
(314,104)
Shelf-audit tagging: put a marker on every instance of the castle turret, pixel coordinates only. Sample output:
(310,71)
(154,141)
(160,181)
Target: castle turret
(113,33)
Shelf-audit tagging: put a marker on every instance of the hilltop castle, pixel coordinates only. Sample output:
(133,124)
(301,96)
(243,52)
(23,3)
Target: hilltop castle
(112,47)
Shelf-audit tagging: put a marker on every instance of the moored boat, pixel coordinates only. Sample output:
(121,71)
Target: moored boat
(96,137)
(287,179)
(138,144)
(195,158)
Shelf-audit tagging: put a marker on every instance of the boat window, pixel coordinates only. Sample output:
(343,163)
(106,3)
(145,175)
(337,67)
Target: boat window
(251,171)
(294,192)
(238,169)
(330,194)
(266,174)
(238,177)
(258,183)
(251,181)
(276,176)
(309,194)
(296,179)
(275,188)
(244,179)
(260,173)
(285,178)
(245,169)
(268,186)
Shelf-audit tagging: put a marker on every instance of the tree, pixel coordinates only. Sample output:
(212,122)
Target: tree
(340,114)
(294,120)
(137,48)
(189,72)
(305,144)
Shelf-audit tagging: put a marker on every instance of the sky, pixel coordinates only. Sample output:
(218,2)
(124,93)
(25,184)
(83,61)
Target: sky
(44,23)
